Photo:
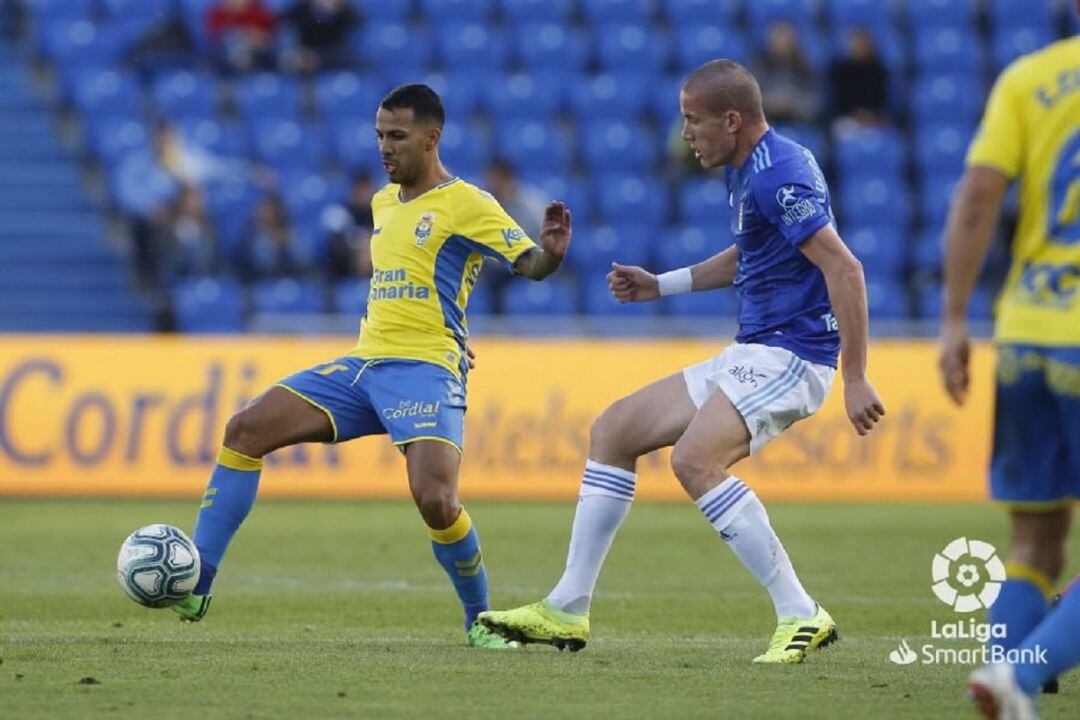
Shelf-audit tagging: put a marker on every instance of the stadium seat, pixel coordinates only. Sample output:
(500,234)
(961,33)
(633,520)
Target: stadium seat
(530,143)
(625,47)
(696,44)
(288,143)
(924,14)
(522,96)
(664,100)
(307,193)
(709,12)
(716,305)
(208,305)
(606,11)
(632,198)
(869,151)
(616,146)
(935,194)
(108,92)
(595,248)
(52,11)
(550,48)
(887,299)
(354,145)
(948,50)
(268,95)
(346,94)
(214,136)
(1009,43)
(310,242)
(395,47)
(529,11)
(762,13)
(557,295)
(704,202)
(891,46)
(856,13)
(1011,14)
(940,148)
(462,92)
(113,137)
(185,94)
(948,97)
(928,253)
(576,192)
(611,95)
(464,150)
(462,46)
(599,300)
(230,203)
(288,295)
(809,136)
(482,299)
(683,246)
(79,43)
(875,201)
(153,10)
(453,11)
(881,249)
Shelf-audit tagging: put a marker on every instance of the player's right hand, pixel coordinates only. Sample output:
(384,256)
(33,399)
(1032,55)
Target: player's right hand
(954,357)
(630,283)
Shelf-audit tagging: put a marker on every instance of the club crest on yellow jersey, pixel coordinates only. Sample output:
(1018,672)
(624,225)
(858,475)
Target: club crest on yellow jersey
(423,228)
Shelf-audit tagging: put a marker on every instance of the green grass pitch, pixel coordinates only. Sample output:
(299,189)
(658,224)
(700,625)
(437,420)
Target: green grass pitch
(338,610)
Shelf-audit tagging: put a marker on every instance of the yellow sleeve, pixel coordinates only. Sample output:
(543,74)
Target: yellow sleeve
(999,141)
(482,223)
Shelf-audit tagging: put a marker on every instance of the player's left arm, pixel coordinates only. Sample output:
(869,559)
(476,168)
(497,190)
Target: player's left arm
(539,262)
(847,293)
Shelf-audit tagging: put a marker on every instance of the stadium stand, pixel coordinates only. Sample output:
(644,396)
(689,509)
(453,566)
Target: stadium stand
(579,95)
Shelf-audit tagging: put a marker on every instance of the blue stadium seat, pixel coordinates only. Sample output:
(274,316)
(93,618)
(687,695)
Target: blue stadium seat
(347,94)
(682,246)
(462,46)
(576,192)
(923,14)
(307,193)
(664,100)
(453,11)
(856,13)
(892,47)
(214,136)
(230,204)
(288,143)
(613,95)
(529,11)
(632,199)
(616,146)
(185,94)
(384,10)
(50,11)
(873,201)
(596,247)
(354,145)
(625,47)
(310,242)
(108,92)
(762,13)
(350,296)
(536,145)
(395,47)
(1011,14)
(704,202)
(208,305)
(557,295)
(80,43)
(523,96)
(709,12)
(462,92)
(154,10)
(809,136)
(928,253)
(947,98)
(605,11)
(288,295)
(696,44)
(482,299)
(948,50)
(550,48)
(717,304)
(935,195)
(464,150)
(600,301)
(1009,43)
(869,151)
(940,147)
(268,95)
(887,299)
(111,138)
(881,249)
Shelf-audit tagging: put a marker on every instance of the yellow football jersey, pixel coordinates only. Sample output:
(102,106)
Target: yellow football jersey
(1031,130)
(426,255)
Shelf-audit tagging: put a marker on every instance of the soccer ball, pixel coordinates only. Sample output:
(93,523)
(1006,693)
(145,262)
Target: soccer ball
(158,566)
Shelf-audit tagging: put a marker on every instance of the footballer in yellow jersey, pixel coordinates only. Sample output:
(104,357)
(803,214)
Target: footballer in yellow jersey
(406,375)
(1030,134)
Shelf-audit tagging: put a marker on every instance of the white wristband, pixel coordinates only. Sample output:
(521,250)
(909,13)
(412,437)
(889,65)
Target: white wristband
(675,282)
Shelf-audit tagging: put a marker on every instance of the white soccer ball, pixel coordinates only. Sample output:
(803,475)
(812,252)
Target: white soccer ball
(158,566)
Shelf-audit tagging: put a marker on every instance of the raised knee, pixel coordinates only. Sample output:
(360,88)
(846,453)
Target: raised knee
(438,507)
(242,435)
(607,432)
(689,466)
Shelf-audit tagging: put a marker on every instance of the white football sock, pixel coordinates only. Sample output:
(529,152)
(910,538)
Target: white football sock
(740,518)
(606,494)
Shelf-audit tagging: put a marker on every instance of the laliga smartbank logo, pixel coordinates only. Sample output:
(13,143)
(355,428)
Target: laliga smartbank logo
(966,575)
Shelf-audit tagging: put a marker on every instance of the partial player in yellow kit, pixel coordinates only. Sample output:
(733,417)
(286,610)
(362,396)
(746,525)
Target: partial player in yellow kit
(1030,133)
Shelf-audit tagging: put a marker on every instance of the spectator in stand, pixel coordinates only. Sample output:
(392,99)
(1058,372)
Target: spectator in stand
(241,35)
(859,84)
(273,252)
(350,227)
(189,242)
(319,31)
(522,202)
(789,85)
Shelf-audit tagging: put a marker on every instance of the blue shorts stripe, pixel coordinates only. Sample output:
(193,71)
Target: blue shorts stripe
(628,484)
(719,513)
(721,497)
(767,387)
(791,381)
(609,488)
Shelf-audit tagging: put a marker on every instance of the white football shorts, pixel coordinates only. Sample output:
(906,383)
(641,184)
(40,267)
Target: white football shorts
(770,387)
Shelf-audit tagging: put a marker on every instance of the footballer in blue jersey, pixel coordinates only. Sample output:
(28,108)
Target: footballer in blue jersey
(802,307)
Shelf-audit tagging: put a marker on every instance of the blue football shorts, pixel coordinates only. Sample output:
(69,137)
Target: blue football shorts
(409,399)
(1036,455)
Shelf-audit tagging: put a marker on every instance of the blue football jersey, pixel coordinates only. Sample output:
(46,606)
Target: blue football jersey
(779,199)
